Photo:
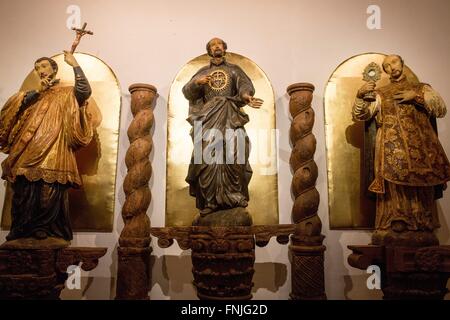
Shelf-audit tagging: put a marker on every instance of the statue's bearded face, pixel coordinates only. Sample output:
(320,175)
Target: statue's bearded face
(393,65)
(44,69)
(217,48)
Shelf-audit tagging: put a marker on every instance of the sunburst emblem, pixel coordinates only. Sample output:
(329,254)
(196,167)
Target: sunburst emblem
(219,80)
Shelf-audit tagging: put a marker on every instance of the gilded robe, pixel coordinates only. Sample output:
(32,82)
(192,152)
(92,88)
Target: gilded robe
(409,159)
(41,141)
(40,133)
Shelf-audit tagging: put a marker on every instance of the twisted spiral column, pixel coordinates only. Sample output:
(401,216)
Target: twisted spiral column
(306,249)
(133,276)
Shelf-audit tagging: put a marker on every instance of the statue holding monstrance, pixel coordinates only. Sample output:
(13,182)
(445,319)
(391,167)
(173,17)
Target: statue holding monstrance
(410,167)
(40,130)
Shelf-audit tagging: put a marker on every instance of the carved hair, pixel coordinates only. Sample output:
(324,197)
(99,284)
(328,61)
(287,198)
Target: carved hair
(52,63)
(208,49)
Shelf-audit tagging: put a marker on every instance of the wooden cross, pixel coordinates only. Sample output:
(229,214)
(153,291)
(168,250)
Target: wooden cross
(80,32)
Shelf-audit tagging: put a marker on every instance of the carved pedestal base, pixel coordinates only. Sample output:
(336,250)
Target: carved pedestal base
(222,257)
(407,272)
(40,273)
(307,269)
(416,239)
(133,273)
(223,260)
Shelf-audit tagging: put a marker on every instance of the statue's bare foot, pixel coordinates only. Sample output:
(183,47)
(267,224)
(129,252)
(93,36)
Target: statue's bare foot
(40,235)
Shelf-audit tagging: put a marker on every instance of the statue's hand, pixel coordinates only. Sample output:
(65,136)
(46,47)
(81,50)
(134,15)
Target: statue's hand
(252,101)
(203,80)
(405,96)
(70,59)
(46,83)
(365,89)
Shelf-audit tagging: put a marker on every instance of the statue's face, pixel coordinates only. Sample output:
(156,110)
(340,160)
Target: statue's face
(217,48)
(44,69)
(393,66)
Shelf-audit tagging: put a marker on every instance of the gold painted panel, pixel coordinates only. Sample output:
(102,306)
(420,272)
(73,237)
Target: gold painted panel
(263,187)
(350,205)
(92,206)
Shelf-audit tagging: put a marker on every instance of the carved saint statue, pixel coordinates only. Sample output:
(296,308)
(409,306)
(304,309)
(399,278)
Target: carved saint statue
(410,164)
(40,131)
(216,95)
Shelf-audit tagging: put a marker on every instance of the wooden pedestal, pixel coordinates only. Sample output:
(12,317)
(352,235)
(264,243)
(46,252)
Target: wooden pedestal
(40,273)
(407,272)
(223,258)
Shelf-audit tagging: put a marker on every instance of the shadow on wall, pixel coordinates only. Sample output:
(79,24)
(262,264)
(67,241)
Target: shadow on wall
(443,232)
(91,288)
(356,288)
(94,287)
(173,274)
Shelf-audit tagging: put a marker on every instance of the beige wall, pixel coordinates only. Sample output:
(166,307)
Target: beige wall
(291,40)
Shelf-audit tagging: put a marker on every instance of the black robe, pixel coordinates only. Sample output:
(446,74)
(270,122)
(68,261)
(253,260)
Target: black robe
(222,184)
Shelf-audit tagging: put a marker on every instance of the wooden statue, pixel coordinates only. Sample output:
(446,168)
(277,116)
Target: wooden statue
(410,163)
(40,131)
(216,94)
(410,171)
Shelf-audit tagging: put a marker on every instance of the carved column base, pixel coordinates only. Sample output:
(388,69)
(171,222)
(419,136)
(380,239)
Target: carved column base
(133,274)
(307,268)
(407,272)
(40,273)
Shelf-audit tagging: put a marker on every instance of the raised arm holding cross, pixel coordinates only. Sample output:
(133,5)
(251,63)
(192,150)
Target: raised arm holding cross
(80,33)
(68,56)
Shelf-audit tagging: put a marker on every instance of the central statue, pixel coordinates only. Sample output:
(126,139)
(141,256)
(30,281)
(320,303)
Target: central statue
(217,93)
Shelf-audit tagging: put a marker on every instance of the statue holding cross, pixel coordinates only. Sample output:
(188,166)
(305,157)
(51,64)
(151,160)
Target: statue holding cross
(79,34)
(40,130)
